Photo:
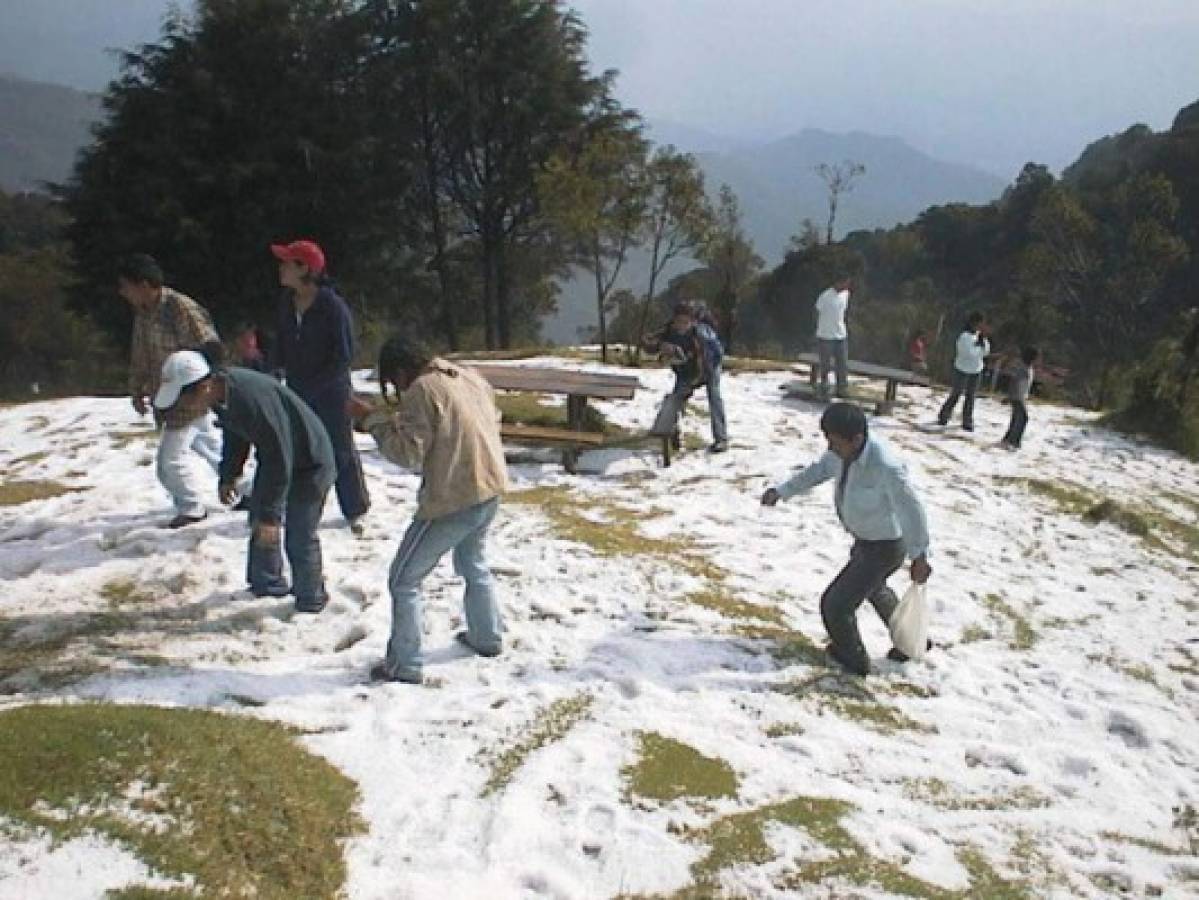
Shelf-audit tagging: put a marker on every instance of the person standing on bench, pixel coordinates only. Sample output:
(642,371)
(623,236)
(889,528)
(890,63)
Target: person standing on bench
(877,505)
(832,337)
(972,351)
(447,427)
(695,354)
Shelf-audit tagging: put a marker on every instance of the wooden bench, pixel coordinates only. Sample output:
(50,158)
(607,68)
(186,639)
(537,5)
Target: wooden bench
(891,376)
(578,387)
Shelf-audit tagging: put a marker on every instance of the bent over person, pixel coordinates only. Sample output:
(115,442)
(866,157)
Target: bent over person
(877,505)
(448,428)
(295,468)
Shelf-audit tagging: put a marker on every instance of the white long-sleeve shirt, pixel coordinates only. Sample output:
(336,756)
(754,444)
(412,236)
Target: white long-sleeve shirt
(830,315)
(971,353)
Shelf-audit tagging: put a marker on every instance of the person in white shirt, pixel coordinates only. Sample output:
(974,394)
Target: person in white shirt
(972,351)
(832,338)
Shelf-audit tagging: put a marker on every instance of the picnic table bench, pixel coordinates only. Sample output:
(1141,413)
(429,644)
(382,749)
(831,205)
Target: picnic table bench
(892,376)
(579,387)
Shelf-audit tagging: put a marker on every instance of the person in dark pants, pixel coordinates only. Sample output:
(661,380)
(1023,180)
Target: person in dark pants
(695,354)
(878,506)
(314,348)
(1018,390)
(972,351)
(296,467)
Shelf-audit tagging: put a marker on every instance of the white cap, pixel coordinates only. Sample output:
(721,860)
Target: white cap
(180,370)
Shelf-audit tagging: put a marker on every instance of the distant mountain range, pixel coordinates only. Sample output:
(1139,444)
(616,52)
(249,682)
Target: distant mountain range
(777,186)
(42,127)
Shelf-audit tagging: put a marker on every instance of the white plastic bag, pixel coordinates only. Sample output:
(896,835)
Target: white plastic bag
(909,622)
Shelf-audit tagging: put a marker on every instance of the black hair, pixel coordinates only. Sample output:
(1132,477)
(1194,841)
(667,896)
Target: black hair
(845,420)
(214,354)
(684,308)
(401,356)
(975,319)
(140,267)
(1030,355)
(244,326)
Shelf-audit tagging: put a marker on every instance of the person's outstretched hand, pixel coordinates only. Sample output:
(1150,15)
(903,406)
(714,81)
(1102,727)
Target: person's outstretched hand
(357,408)
(921,570)
(771,497)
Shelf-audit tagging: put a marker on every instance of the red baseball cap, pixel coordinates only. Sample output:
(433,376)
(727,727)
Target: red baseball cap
(307,252)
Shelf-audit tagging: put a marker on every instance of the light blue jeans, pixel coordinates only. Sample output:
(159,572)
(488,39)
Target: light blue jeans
(425,542)
(177,471)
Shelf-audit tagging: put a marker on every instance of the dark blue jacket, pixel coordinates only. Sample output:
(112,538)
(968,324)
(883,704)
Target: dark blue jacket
(293,447)
(315,352)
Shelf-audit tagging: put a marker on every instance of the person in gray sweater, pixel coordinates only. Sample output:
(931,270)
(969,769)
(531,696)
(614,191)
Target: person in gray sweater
(296,467)
(1019,387)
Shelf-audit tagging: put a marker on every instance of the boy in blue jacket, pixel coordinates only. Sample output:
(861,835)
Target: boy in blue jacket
(694,352)
(876,503)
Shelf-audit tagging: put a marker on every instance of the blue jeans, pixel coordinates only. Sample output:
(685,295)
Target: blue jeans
(425,542)
(264,563)
(962,384)
(834,354)
(667,421)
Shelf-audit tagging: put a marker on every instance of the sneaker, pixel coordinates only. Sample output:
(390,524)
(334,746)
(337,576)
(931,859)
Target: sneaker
(463,638)
(380,673)
(182,521)
(719,447)
(832,653)
(896,655)
(274,590)
(312,606)
(357,526)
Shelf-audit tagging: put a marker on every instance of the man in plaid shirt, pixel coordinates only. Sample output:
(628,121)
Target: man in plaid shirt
(164,321)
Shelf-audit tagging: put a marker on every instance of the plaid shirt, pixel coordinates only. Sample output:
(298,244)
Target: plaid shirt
(177,323)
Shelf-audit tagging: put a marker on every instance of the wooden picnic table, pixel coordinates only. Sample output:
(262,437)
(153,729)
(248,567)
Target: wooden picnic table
(892,376)
(579,387)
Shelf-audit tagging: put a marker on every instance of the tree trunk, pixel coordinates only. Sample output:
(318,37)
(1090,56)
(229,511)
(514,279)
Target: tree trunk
(490,284)
(601,315)
(503,296)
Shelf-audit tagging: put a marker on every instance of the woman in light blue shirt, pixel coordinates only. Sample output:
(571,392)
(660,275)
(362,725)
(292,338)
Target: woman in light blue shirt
(877,505)
(972,351)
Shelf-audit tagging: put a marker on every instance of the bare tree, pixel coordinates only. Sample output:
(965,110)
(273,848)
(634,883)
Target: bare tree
(839,179)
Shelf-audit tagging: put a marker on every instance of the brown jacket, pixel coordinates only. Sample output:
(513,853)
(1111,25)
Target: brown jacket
(448,428)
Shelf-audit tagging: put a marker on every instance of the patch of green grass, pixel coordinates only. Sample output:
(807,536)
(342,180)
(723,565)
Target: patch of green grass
(667,769)
(55,655)
(740,840)
(1144,843)
(848,697)
(550,724)
(1156,529)
(936,792)
(784,729)
(1024,636)
(788,647)
(30,459)
(719,600)
(875,716)
(125,591)
(610,529)
(234,802)
(14,493)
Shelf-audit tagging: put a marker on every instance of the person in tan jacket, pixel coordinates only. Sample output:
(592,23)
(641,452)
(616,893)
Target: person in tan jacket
(447,427)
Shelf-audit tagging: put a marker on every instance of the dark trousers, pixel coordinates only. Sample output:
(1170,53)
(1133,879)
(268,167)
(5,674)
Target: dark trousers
(1015,429)
(834,355)
(863,578)
(264,562)
(962,384)
(330,408)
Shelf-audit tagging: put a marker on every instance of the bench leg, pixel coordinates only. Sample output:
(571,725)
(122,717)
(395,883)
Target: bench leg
(570,461)
(666,452)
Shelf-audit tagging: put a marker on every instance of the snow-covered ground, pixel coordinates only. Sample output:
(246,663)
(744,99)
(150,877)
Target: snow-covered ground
(1054,731)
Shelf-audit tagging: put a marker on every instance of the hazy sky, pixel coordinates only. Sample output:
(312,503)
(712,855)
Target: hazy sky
(990,82)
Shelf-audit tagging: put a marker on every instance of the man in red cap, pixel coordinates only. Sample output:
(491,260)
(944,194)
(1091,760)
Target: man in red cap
(314,350)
